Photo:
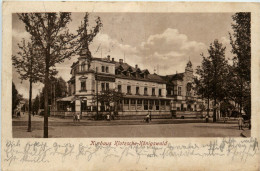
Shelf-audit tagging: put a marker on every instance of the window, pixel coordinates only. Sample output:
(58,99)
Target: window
(102,86)
(181,106)
(107,86)
(162,102)
(167,102)
(157,104)
(133,102)
(160,92)
(103,69)
(137,90)
(179,91)
(83,85)
(126,101)
(83,105)
(139,102)
(83,67)
(168,92)
(145,91)
(107,70)
(151,102)
(119,87)
(153,91)
(145,104)
(175,90)
(129,89)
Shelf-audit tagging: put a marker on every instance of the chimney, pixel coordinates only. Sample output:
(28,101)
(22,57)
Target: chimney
(108,57)
(120,61)
(136,66)
(113,59)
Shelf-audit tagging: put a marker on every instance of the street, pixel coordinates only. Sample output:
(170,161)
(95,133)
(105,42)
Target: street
(65,128)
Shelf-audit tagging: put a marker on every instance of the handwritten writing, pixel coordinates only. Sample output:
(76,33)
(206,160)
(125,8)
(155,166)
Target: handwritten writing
(41,152)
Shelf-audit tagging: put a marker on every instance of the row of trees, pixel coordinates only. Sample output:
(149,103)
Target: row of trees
(50,43)
(16,98)
(58,89)
(224,83)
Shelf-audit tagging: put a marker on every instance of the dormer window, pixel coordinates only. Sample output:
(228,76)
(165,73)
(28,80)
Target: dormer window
(107,70)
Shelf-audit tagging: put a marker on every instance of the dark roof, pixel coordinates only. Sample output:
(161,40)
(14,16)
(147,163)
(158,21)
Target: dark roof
(103,60)
(178,76)
(95,59)
(126,67)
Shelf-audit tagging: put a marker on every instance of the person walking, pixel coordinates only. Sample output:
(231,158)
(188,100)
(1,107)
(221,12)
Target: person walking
(207,118)
(147,118)
(78,117)
(240,123)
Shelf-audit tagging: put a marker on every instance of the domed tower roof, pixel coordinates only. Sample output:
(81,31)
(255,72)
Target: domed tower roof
(189,64)
(189,67)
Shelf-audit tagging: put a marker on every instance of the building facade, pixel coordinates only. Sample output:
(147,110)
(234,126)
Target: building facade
(143,92)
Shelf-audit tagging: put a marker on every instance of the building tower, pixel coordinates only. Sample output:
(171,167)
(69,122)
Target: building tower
(189,68)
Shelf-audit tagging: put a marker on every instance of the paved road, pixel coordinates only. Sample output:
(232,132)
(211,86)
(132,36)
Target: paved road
(66,129)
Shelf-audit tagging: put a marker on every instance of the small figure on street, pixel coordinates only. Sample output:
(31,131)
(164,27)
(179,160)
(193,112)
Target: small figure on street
(78,117)
(108,117)
(147,118)
(207,118)
(74,117)
(240,123)
(150,113)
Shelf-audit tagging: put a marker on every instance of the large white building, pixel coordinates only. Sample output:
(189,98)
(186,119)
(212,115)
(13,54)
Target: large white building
(163,96)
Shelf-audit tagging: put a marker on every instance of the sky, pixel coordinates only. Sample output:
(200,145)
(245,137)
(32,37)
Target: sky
(161,41)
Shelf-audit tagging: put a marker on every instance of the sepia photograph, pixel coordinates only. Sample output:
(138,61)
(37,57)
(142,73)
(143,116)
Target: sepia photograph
(130,86)
(131,75)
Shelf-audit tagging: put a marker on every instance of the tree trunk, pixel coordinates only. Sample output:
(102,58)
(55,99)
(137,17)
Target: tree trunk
(208,107)
(214,111)
(30,107)
(46,88)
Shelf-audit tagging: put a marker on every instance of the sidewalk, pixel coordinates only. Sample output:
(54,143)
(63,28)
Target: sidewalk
(55,121)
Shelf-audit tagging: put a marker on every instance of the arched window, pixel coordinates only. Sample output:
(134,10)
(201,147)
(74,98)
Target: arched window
(83,66)
(188,89)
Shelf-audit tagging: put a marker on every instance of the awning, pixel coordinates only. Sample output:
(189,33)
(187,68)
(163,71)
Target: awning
(66,99)
(146,97)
